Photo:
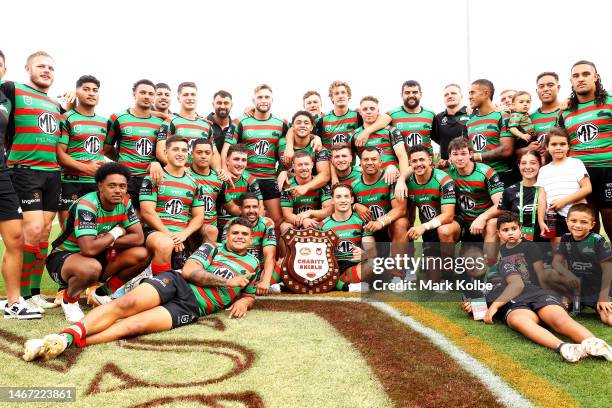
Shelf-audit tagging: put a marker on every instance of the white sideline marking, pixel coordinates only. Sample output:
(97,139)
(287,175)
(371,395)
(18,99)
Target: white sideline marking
(504,393)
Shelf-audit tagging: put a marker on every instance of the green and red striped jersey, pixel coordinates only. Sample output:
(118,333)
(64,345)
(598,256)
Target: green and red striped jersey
(134,138)
(350,232)
(263,235)
(174,197)
(210,189)
(521,121)
(334,129)
(262,138)
(485,133)
(34,128)
(354,174)
(432,195)
(384,139)
(474,191)
(320,156)
(226,264)
(87,217)
(84,137)
(246,182)
(542,123)
(415,127)
(189,129)
(377,196)
(590,131)
(312,200)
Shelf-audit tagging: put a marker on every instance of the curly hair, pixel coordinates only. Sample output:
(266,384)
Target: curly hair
(600,92)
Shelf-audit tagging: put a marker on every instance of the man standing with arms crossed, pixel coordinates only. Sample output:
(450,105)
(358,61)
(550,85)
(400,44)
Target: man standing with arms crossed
(32,137)
(450,123)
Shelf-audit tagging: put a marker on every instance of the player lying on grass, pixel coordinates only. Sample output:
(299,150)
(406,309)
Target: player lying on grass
(523,306)
(212,279)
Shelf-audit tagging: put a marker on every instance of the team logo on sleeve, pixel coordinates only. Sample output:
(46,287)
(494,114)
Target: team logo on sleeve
(479,141)
(414,138)
(254,252)
(47,123)
(541,138)
(587,132)
(261,148)
(144,147)
(87,220)
(466,202)
(147,187)
(174,207)
(190,144)
(92,145)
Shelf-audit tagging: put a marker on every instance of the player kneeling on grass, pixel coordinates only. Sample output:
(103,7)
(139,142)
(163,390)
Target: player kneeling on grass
(584,260)
(102,242)
(212,279)
(523,306)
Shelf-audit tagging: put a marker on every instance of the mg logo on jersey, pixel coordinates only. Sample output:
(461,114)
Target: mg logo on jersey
(224,273)
(339,138)
(466,202)
(587,132)
(262,147)
(428,211)
(414,138)
(173,207)
(304,209)
(377,211)
(47,123)
(479,141)
(144,147)
(345,246)
(92,145)
(209,203)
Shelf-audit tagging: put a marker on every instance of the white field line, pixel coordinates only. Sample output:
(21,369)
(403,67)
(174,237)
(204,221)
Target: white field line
(505,393)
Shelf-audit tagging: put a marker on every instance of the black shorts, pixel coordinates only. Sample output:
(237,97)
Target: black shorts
(176,297)
(37,190)
(9,202)
(269,189)
(466,235)
(431,243)
(561,226)
(55,263)
(134,190)
(601,180)
(73,191)
(532,298)
(509,177)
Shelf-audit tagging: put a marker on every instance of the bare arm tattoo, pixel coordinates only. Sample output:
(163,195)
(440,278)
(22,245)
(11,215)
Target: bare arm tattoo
(202,277)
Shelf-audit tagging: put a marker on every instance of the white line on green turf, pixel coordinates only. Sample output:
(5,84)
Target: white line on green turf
(505,394)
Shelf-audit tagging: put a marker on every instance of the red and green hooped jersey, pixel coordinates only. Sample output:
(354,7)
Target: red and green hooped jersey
(246,182)
(134,138)
(189,129)
(350,233)
(262,138)
(263,235)
(431,196)
(415,127)
(485,133)
(87,217)
(210,189)
(521,121)
(34,128)
(84,137)
(377,197)
(226,264)
(542,123)
(312,200)
(334,129)
(474,191)
(590,131)
(354,174)
(384,139)
(174,198)
(320,156)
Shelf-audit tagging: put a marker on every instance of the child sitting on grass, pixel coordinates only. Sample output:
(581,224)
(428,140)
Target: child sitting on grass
(584,260)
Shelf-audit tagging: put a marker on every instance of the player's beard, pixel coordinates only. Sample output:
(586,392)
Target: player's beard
(409,104)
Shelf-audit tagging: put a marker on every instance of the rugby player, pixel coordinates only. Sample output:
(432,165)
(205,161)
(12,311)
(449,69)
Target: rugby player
(211,280)
(161,104)
(102,241)
(544,118)
(222,124)
(81,144)
(171,210)
(341,160)
(32,137)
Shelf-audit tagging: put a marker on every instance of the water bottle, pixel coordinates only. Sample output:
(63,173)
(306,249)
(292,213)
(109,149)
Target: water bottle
(576,303)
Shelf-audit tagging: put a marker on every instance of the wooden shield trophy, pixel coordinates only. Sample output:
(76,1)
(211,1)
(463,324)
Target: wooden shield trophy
(310,266)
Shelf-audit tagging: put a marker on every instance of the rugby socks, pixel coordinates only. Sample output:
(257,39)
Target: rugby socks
(75,334)
(29,265)
(39,267)
(110,286)
(68,299)
(159,268)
